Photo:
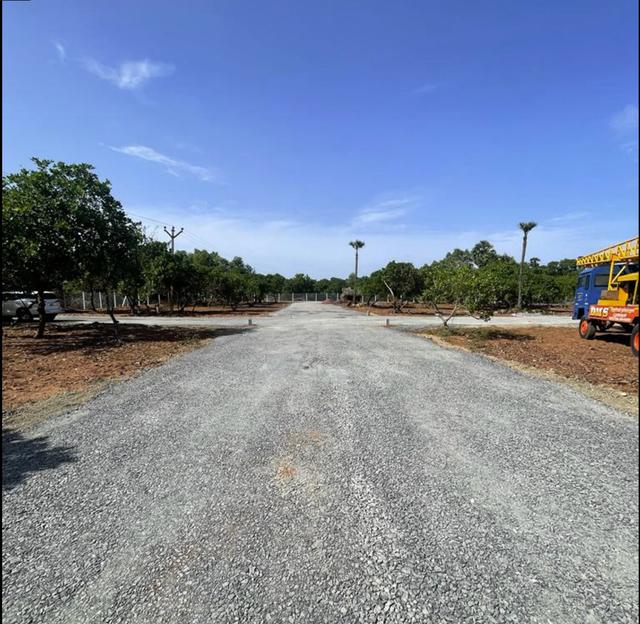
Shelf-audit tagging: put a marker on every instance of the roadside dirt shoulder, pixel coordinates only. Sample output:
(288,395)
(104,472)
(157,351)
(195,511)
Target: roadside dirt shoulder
(603,369)
(73,363)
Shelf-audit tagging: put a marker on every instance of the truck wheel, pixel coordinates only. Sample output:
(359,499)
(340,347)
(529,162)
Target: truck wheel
(586,329)
(49,317)
(635,339)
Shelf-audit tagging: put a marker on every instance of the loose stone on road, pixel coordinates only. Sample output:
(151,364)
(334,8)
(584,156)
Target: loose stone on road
(322,468)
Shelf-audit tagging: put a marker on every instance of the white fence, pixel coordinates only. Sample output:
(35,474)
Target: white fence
(82,300)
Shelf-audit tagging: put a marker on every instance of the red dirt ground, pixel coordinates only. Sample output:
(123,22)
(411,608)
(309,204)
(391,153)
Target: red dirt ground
(73,357)
(605,361)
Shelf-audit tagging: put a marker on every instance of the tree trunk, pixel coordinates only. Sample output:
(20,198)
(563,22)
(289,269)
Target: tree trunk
(116,333)
(41,315)
(520,273)
(355,280)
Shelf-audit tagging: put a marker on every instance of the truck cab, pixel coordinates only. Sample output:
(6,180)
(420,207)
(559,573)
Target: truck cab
(592,282)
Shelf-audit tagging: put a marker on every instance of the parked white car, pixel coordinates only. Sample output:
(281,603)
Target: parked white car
(24,306)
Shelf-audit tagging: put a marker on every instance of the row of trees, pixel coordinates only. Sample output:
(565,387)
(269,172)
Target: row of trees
(480,280)
(63,227)
(200,277)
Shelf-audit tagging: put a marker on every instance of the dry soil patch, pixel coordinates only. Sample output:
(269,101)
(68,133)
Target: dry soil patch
(74,362)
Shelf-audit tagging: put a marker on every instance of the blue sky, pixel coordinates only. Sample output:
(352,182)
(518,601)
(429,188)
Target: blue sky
(279,131)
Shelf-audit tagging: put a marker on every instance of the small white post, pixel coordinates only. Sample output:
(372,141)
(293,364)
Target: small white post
(326,295)
(100,298)
(291,297)
(115,301)
(316,296)
(306,296)
(84,301)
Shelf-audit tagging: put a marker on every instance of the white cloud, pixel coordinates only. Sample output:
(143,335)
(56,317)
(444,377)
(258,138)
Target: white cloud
(625,122)
(62,53)
(290,246)
(130,74)
(570,216)
(171,165)
(625,127)
(385,210)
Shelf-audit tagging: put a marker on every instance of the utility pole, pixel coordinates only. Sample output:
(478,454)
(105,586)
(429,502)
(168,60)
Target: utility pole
(173,236)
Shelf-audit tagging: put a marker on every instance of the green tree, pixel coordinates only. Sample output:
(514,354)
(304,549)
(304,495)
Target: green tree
(113,259)
(502,274)
(460,286)
(276,283)
(458,257)
(300,283)
(232,286)
(403,281)
(483,253)
(61,222)
(372,286)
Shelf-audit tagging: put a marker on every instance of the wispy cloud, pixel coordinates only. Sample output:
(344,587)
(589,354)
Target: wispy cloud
(570,216)
(624,124)
(130,74)
(385,210)
(60,50)
(171,165)
(427,87)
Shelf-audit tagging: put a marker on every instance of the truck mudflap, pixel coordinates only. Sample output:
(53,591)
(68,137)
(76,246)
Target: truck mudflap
(615,314)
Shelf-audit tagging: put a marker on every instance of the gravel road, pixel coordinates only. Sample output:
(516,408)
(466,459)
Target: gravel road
(316,469)
(409,321)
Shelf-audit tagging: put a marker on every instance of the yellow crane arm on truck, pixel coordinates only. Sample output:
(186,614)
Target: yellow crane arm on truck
(627,250)
(622,288)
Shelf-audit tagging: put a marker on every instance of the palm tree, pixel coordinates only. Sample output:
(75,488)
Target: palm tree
(356,244)
(526,227)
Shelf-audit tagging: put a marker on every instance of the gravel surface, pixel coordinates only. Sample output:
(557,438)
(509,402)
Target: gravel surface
(361,319)
(321,469)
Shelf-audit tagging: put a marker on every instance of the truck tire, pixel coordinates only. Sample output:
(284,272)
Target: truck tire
(49,317)
(635,339)
(586,329)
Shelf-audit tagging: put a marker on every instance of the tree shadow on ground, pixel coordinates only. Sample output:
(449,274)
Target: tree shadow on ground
(22,456)
(63,337)
(499,334)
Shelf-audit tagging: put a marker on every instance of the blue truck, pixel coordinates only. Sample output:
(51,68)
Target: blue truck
(607,291)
